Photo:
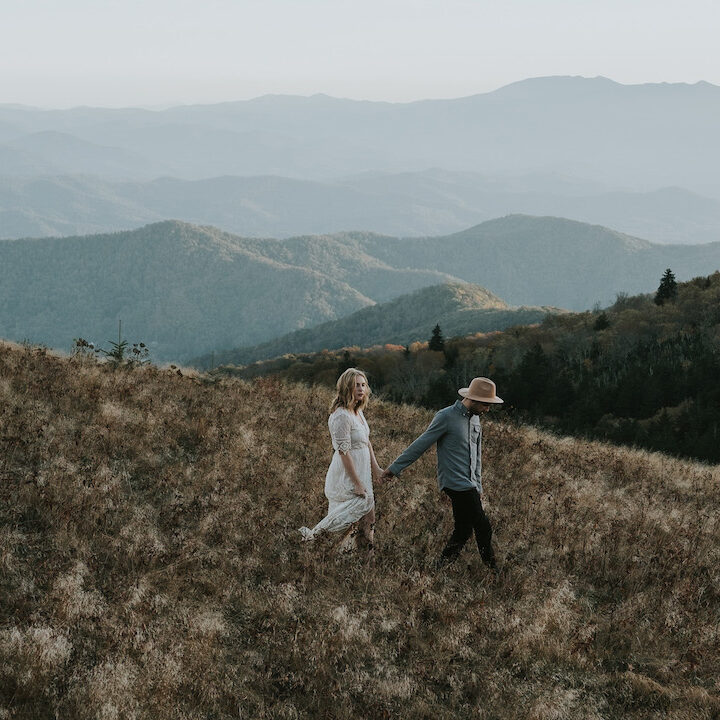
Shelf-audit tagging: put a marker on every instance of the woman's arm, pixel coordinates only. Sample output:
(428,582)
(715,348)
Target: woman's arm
(377,471)
(358,488)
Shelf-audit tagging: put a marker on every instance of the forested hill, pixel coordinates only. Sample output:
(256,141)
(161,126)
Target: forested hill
(636,373)
(186,290)
(183,289)
(459,308)
(152,566)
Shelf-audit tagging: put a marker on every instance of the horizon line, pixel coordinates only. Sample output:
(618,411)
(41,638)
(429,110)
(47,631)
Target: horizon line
(164,107)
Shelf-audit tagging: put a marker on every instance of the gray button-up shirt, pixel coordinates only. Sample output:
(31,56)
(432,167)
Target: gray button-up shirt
(459,443)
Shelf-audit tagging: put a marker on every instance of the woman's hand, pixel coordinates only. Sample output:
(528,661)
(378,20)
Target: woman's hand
(358,489)
(357,486)
(377,474)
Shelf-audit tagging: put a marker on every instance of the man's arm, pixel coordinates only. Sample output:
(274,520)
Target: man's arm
(435,430)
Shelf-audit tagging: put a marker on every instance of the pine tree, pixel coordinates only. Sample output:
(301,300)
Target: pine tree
(667,290)
(436,341)
(601,322)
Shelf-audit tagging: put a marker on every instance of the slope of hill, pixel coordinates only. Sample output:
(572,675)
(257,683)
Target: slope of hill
(177,287)
(459,309)
(431,202)
(548,261)
(189,290)
(345,258)
(151,564)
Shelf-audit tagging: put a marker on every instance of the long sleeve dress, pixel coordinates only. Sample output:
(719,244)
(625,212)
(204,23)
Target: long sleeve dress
(350,434)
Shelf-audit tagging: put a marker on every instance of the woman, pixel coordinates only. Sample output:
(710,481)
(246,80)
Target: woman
(348,483)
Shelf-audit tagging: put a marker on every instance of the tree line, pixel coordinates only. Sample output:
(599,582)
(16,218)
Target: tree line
(641,372)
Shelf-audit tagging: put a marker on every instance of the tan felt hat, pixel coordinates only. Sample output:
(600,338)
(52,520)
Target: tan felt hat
(482,390)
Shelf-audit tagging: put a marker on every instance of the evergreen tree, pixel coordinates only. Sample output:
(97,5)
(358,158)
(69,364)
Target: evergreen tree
(347,361)
(601,322)
(667,290)
(436,341)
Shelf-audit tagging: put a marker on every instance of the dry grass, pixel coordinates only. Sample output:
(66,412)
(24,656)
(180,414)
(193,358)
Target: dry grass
(150,565)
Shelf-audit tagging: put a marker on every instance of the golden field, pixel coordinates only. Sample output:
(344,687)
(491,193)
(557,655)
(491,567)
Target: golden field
(151,567)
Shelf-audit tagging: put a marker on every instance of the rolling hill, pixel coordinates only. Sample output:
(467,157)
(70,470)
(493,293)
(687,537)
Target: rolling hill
(151,564)
(177,287)
(460,309)
(188,290)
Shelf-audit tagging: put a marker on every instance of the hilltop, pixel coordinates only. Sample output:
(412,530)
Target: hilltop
(151,564)
(458,308)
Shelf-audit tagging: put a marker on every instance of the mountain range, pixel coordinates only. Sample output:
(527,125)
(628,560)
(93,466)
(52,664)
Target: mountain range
(637,136)
(188,290)
(430,202)
(639,158)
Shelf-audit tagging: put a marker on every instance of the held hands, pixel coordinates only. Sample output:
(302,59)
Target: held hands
(386,475)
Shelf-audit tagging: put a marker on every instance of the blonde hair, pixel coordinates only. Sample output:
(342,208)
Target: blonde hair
(346,390)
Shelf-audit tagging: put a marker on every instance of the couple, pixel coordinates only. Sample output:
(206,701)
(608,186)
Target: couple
(456,430)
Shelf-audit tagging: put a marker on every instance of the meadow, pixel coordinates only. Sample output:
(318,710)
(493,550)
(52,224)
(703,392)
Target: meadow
(151,567)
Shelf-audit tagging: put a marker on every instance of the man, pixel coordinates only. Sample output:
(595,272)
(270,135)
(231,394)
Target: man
(456,430)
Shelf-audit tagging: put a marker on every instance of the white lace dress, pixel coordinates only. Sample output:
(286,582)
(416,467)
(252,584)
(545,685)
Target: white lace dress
(350,434)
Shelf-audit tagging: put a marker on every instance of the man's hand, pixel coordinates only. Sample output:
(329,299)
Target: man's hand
(387,475)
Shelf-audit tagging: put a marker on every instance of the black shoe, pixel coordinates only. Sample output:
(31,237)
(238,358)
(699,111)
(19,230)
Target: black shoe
(491,563)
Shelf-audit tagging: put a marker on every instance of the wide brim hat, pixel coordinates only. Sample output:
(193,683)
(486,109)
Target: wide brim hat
(482,390)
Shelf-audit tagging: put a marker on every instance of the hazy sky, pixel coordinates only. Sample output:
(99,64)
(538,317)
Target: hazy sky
(60,53)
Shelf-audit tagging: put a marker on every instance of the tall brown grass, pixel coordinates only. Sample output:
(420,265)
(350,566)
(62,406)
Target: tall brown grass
(150,564)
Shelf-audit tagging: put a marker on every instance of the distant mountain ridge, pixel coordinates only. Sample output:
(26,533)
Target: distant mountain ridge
(189,290)
(636,136)
(429,202)
(459,308)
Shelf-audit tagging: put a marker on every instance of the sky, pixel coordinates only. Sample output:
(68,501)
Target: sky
(156,53)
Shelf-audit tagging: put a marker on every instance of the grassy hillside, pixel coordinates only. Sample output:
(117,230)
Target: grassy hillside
(458,307)
(150,565)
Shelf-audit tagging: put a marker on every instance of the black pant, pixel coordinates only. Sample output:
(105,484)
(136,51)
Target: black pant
(469,515)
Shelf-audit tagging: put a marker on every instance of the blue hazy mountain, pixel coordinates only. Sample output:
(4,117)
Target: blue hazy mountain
(639,137)
(189,290)
(430,202)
